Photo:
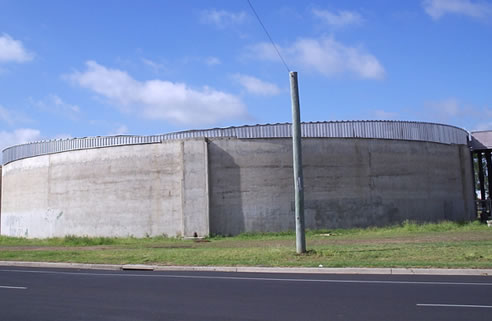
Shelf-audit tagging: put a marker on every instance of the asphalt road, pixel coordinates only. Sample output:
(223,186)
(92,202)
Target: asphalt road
(54,294)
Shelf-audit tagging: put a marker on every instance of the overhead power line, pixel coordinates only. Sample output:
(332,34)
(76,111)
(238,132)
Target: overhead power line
(268,35)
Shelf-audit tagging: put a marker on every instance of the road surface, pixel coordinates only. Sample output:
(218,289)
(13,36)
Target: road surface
(58,294)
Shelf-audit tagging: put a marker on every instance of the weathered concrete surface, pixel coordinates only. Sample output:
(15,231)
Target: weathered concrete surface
(348,183)
(228,186)
(119,191)
(251,185)
(195,188)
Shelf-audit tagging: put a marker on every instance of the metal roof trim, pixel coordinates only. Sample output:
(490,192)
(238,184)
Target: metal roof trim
(378,129)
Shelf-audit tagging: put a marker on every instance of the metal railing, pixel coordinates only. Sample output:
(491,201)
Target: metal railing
(399,130)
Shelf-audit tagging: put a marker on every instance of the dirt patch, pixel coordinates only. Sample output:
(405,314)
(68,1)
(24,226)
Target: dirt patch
(57,248)
(171,246)
(427,238)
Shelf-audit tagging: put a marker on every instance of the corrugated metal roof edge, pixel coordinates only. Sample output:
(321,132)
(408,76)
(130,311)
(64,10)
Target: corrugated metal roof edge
(382,129)
(245,126)
(316,122)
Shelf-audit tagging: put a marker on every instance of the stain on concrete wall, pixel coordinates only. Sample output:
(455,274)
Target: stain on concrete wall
(119,191)
(228,186)
(348,183)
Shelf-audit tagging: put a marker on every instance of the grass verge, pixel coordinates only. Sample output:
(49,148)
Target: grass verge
(443,245)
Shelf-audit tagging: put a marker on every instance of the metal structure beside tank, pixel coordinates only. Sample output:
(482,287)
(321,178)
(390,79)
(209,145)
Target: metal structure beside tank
(481,146)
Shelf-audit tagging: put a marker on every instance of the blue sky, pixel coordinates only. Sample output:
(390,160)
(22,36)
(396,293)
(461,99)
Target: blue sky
(89,68)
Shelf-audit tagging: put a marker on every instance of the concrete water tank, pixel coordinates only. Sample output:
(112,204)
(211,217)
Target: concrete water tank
(237,179)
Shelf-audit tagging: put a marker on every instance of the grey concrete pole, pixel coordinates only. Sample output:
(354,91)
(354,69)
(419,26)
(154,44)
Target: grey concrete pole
(297,164)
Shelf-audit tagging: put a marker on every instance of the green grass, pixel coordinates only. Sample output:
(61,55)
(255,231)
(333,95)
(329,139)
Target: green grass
(444,245)
(406,228)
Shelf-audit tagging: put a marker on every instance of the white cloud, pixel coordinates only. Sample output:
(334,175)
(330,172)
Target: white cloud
(5,115)
(446,108)
(263,51)
(63,136)
(475,9)
(54,104)
(160,99)
(324,55)
(384,115)
(341,19)
(11,117)
(222,18)
(457,112)
(18,136)
(121,130)
(60,103)
(257,86)
(482,126)
(212,61)
(156,67)
(487,112)
(12,50)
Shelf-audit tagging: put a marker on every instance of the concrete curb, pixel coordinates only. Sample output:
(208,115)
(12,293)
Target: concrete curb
(304,270)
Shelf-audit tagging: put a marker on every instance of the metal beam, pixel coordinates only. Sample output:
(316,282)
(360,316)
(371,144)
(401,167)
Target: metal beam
(474,175)
(489,171)
(481,176)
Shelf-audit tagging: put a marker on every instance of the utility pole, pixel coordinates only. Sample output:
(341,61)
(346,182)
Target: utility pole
(297,164)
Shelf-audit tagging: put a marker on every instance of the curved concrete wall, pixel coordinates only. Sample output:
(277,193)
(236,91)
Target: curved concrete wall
(119,191)
(230,185)
(347,183)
